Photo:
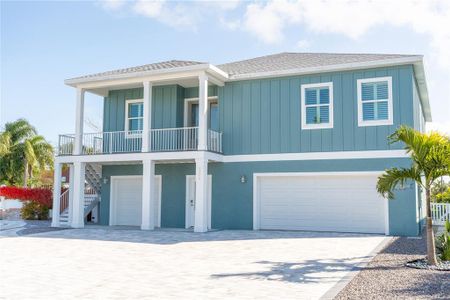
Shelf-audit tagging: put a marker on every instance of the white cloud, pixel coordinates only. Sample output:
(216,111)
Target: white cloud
(352,18)
(175,15)
(267,21)
(230,24)
(303,44)
(183,15)
(112,5)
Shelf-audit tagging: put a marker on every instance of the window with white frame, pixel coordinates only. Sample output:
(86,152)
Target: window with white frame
(134,115)
(375,101)
(317,105)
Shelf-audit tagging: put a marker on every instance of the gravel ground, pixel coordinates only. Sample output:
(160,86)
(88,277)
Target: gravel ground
(386,276)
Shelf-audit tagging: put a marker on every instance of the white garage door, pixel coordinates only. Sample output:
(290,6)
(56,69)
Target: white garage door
(126,200)
(345,203)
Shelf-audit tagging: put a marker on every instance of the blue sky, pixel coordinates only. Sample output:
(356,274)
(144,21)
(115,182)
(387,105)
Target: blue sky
(43,43)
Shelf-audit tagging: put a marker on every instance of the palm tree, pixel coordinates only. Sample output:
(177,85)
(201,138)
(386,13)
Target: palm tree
(430,155)
(24,153)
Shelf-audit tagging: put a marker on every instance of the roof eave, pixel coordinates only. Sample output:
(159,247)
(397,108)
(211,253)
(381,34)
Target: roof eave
(419,73)
(75,82)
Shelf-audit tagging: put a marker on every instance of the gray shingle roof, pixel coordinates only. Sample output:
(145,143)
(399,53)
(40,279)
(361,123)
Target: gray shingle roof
(290,61)
(149,67)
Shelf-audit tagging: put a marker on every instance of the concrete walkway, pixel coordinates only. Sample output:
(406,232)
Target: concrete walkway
(132,264)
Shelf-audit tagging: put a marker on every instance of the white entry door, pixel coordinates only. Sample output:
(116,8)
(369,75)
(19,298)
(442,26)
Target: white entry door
(190,201)
(126,201)
(323,202)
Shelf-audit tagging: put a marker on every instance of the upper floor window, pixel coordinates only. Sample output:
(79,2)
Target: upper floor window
(375,101)
(317,105)
(134,115)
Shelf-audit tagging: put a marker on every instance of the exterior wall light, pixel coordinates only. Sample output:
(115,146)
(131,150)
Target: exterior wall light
(243,179)
(105,180)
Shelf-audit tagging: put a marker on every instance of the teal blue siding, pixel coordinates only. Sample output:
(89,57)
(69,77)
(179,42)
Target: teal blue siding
(232,201)
(107,172)
(264,116)
(273,124)
(172,195)
(167,107)
(192,92)
(232,208)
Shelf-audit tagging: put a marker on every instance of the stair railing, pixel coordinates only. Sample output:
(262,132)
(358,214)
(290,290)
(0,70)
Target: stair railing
(64,201)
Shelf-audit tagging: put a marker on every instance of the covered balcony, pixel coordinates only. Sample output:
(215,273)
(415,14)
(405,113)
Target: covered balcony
(160,140)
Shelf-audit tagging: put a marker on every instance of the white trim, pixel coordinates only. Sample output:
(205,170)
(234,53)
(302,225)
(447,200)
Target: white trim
(79,122)
(147,116)
(57,193)
(192,155)
(304,126)
(390,119)
(127,131)
(256,194)
(187,201)
(190,101)
(112,199)
(152,75)
(316,156)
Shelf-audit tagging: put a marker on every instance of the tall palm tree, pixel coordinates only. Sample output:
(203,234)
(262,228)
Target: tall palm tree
(430,156)
(24,153)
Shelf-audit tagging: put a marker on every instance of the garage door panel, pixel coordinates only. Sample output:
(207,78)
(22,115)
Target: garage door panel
(328,203)
(128,201)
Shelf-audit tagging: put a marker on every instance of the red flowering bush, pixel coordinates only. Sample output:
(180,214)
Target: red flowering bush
(37,201)
(40,195)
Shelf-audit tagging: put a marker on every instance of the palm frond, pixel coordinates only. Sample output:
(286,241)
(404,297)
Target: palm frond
(5,143)
(20,130)
(394,177)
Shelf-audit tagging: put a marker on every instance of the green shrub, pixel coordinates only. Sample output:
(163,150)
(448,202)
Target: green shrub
(32,210)
(443,243)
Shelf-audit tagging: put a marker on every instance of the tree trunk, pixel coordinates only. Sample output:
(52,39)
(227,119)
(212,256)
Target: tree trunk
(431,250)
(25,174)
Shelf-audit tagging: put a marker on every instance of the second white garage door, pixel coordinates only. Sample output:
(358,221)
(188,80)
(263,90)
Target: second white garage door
(126,200)
(341,202)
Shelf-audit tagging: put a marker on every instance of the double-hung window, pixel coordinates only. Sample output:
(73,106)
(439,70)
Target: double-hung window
(375,101)
(134,116)
(317,105)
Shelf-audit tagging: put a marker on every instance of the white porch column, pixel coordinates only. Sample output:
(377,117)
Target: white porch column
(71,175)
(79,120)
(147,123)
(148,188)
(56,194)
(201,195)
(203,108)
(79,169)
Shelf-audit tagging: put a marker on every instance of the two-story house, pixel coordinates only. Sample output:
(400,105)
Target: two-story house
(291,141)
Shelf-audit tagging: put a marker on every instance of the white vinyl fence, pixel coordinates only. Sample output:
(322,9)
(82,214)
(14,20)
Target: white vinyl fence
(440,212)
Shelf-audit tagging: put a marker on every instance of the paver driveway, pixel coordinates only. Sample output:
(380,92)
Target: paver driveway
(130,264)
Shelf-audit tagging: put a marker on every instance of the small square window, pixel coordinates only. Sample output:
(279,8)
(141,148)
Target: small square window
(375,101)
(317,105)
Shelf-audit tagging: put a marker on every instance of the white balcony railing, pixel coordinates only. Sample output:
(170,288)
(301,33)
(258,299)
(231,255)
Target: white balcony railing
(214,141)
(174,139)
(66,144)
(440,213)
(162,140)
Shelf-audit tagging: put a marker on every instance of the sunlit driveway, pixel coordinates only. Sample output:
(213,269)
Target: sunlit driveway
(131,264)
